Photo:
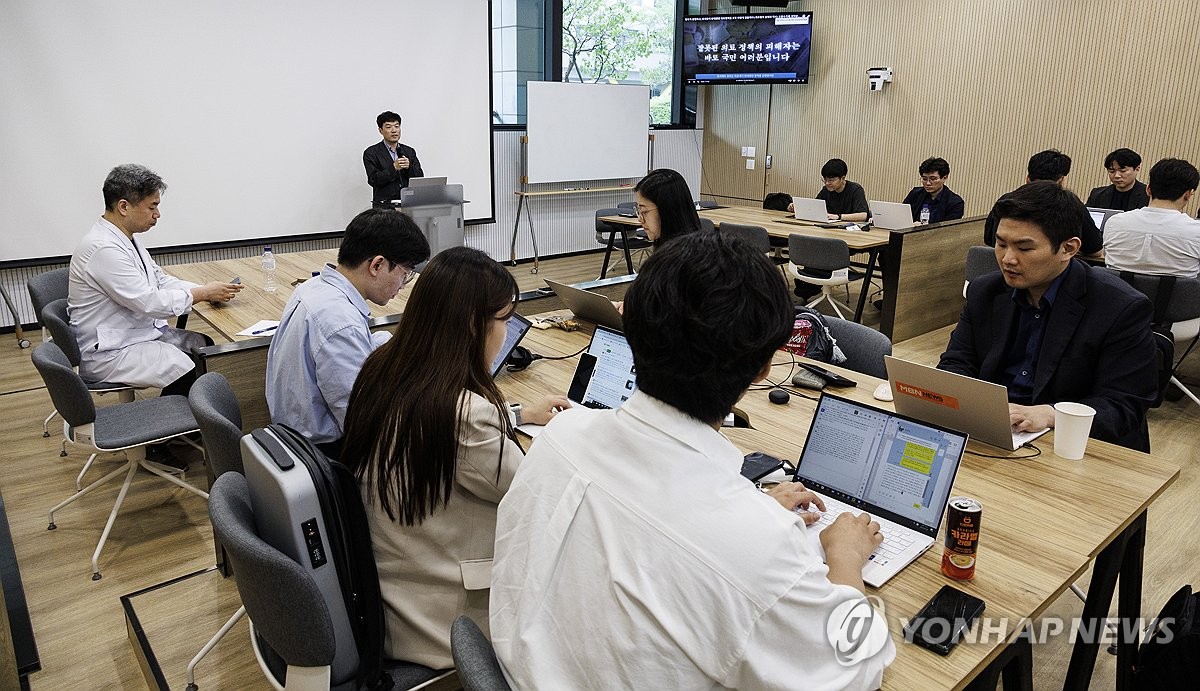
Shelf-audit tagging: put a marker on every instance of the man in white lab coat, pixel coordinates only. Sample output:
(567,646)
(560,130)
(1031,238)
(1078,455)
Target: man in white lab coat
(119,299)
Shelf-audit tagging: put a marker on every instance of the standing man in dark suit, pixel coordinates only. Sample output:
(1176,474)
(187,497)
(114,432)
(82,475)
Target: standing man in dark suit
(1052,329)
(389,163)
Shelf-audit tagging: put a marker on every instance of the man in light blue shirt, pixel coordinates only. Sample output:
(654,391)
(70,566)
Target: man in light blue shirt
(323,338)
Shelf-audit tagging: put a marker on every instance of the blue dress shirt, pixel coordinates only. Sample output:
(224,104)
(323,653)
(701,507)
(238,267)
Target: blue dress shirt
(316,354)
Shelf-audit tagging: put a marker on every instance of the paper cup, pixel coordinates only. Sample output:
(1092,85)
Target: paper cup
(1072,423)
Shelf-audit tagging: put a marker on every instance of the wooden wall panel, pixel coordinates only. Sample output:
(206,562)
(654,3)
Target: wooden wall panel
(737,118)
(981,84)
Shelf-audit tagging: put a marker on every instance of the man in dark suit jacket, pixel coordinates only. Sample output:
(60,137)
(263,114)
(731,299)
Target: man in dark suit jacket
(390,164)
(1126,192)
(1051,328)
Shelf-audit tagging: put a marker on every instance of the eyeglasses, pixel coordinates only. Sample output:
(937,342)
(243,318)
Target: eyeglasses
(930,178)
(642,211)
(409,275)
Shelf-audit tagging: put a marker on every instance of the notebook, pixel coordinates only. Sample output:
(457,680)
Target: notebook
(593,307)
(974,406)
(1101,216)
(515,330)
(426,182)
(808,209)
(890,215)
(898,470)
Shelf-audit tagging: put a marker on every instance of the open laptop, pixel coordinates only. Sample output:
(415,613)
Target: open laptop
(974,406)
(816,212)
(890,215)
(593,307)
(426,182)
(1101,216)
(515,330)
(899,470)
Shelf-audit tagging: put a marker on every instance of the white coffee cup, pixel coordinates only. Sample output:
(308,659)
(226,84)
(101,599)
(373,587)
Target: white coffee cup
(1072,424)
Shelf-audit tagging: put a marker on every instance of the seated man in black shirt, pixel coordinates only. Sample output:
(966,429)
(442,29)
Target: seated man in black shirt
(1126,192)
(1055,166)
(1054,329)
(943,203)
(844,200)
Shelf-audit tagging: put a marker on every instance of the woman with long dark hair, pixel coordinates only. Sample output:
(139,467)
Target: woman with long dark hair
(430,439)
(665,206)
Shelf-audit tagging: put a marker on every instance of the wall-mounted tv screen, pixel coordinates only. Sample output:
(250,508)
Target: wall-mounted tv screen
(747,48)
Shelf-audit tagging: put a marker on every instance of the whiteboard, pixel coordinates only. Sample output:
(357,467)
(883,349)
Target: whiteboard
(255,114)
(586,131)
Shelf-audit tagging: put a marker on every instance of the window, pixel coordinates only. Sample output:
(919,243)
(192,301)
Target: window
(518,55)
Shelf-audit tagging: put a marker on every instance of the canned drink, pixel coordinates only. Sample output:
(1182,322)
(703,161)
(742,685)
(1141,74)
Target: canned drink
(962,538)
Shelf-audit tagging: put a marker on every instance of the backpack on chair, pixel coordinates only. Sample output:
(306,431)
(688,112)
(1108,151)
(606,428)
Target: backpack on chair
(812,339)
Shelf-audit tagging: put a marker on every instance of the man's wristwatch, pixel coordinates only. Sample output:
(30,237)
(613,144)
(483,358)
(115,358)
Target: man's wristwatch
(516,411)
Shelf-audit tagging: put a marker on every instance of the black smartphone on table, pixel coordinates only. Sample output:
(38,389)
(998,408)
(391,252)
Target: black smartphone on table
(943,620)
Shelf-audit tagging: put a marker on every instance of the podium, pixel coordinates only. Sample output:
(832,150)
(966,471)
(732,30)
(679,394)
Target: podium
(437,211)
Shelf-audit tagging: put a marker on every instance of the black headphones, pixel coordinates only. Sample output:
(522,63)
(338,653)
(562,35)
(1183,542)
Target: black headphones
(520,358)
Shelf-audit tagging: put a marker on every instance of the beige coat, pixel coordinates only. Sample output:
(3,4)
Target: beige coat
(433,572)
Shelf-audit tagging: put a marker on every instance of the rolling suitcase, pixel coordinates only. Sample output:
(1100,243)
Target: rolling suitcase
(308,507)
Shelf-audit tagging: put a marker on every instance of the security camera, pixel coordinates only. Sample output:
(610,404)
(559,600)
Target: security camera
(878,76)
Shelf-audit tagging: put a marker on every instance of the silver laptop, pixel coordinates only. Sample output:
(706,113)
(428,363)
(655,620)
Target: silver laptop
(426,182)
(605,377)
(593,307)
(890,215)
(809,209)
(974,406)
(899,470)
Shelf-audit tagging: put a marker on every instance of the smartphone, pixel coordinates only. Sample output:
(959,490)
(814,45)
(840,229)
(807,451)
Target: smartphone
(831,378)
(943,620)
(237,280)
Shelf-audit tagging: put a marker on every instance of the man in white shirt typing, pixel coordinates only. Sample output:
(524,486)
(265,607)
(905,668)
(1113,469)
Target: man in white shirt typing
(631,553)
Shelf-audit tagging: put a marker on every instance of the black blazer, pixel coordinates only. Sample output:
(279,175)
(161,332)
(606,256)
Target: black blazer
(1097,350)
(1102,197)
(385,180)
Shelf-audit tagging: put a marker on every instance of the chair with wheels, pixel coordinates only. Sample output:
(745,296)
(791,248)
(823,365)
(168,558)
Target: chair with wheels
(981,260)
(863,346)
(56,321)
(618,235)
(127,427)
(822,262)
(474,658)
(291,632)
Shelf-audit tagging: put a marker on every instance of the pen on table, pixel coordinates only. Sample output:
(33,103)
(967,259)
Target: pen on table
(263,331)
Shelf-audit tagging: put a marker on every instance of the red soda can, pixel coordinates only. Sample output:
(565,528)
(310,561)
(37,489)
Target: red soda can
(962,538)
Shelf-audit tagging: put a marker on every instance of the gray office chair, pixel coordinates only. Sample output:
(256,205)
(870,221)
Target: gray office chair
(631,206)
(478,668)
(981,260)
(863,346)
(56,321)
(823,262)
(618,235)
(45,288)
(707,224)
(1183,312)
(127,427)
(759,238)
(290,629)
(220,418)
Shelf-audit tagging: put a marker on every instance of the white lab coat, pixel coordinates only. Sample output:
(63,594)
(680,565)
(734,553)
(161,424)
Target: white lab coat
(119,300)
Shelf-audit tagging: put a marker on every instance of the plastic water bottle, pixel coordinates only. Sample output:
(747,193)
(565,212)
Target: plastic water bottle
(925,214)
(268,269)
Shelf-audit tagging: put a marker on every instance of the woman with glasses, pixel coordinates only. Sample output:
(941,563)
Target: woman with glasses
(431,441)
(665,206)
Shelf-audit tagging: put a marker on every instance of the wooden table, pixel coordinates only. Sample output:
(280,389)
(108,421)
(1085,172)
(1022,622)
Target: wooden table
(254,303)
(781,224)
(1045,520)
